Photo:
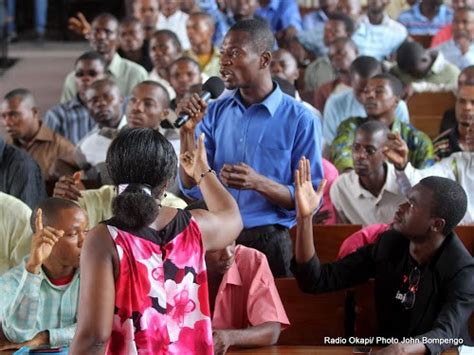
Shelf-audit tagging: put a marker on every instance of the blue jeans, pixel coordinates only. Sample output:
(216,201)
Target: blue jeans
(41,11)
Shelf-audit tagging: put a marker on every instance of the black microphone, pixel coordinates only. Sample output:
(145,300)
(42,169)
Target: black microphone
(211,89)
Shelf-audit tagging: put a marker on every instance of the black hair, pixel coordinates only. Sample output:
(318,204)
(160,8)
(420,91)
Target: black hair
(366,67)
(105,81)
(260,33)
(348,22)
(108,16)
(209,19)
(469,72)
(408,54)
(394,82)
(449,200)
(174,38)
(130,20)
(165,97)
(140,157)
(50,208)
(372,127)
(185,59)
(345,41)
(91,55)
(22,93)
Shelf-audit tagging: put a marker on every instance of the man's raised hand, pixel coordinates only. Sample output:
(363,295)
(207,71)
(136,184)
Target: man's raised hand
(307,200)
(42,243)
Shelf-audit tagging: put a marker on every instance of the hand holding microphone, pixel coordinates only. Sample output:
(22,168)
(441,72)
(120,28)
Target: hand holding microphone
(194,108)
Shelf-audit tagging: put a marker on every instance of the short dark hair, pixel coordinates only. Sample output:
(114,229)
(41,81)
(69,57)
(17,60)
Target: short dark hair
(166,96)
(260,33)
(449,200)
(408,54)
(469,73)
(348,22)
(91,55)
(50,208)
(185,59)
(366,67)
(19,92)
(105,81)
(139,157)
(372,127)
(344,41)
(394,82)
(108,16)
(130,20)
(209,19)
(174,38)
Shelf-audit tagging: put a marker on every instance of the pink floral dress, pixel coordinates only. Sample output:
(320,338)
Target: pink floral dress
(161,296)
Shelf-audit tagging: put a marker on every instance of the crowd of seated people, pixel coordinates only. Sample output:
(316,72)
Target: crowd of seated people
(186,228)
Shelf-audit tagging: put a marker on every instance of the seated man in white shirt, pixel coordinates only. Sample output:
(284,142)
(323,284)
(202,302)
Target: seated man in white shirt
(369,194)
(104,103)
(459,50)
(173,19)
(39,297)
(458,167)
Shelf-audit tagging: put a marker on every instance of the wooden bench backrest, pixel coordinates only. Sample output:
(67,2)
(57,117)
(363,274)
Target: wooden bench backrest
(424,40)
(427,109)
(312,317)
(328,239)
(466,234)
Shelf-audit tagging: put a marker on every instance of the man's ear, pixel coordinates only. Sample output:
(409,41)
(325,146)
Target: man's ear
(265,59)
(35,112)
(438,225)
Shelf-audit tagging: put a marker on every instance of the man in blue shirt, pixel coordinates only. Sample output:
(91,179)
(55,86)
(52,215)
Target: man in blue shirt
(426,17)
(282,15)
(255,137)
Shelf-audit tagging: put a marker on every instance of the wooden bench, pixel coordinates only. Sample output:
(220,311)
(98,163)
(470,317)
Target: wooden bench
(328,239)
(466,234)
(312,317)
(427,109)
(424,40)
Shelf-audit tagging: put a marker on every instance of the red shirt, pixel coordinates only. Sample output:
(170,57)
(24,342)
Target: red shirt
(443,35)
(367,235)
(247,295)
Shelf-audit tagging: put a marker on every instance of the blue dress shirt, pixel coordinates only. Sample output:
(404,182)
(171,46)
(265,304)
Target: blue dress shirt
(417,24)
(344,105)
(281,14)
(271,137)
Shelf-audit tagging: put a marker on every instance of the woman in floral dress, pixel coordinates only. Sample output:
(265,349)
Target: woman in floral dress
(143,276)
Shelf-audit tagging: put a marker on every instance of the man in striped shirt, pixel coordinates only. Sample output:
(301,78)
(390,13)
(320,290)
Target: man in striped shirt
(71,119)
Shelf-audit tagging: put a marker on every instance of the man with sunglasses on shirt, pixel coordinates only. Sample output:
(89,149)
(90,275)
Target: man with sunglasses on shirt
(423,275)
(71,119)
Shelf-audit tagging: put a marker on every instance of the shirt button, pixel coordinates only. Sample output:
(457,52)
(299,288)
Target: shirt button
(241,140)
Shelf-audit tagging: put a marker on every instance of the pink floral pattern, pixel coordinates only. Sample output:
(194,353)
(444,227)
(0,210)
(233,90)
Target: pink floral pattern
(161,303)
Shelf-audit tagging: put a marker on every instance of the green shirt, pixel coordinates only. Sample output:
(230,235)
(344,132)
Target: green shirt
(124,72)
(419,144)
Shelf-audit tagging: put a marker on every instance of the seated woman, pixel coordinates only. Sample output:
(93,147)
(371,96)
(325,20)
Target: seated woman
(148,259)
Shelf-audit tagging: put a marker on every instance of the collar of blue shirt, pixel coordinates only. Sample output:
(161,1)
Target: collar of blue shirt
(271,102)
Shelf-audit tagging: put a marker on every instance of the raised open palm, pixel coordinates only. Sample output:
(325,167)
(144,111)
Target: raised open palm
(307,200)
